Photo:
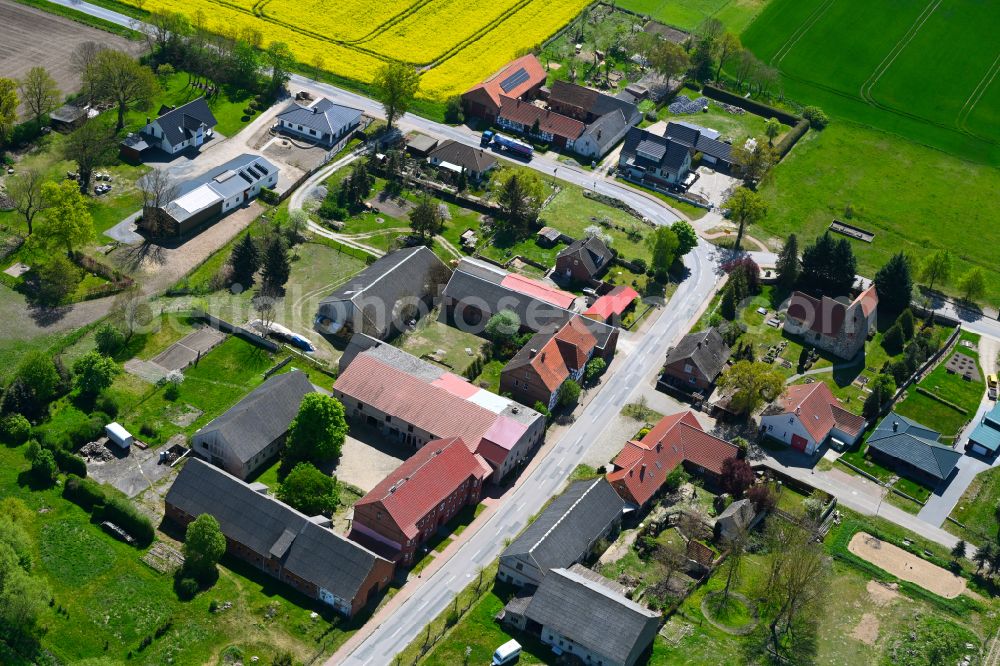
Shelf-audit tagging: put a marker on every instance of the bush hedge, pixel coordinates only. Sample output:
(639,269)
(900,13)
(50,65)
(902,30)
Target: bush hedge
(70,463)
(751,105)
(91,496)
(14,429)
(790,139)
(86,493)
(269,196)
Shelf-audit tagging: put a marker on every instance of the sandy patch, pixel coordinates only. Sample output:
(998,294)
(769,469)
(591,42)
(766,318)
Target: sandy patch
(906,566)
(867,629)
(882,594)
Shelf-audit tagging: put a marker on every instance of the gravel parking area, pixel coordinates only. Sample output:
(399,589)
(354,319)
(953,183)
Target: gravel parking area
(367,458)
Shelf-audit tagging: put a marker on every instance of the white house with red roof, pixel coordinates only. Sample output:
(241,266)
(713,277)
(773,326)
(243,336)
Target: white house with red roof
(640,468)
(408,507)
(836,326)
(414,402)
(807,415)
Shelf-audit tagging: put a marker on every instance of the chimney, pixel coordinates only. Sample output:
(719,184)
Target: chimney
(895,426)
(533,351)
(798,410)
(642,471)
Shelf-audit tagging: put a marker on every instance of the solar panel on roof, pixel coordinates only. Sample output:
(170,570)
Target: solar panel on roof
(246,177)
(514,80)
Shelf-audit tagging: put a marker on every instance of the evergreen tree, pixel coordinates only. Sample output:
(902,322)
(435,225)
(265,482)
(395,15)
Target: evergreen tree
(425,219)
(906,323)
(789,267)
(727,307)
(277,266)
(829,266)
(245,261)
(894,284)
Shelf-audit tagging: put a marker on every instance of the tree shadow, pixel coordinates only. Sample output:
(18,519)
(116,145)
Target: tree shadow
(47,315)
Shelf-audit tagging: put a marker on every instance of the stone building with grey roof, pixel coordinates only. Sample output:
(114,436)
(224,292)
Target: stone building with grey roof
(580,613)
(252,432)
(381,299)
(298,550)
(564,534)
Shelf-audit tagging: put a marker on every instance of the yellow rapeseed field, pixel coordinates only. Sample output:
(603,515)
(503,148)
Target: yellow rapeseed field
(455,43)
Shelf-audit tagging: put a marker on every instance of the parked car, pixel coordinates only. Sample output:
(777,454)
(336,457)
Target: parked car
(993,393)
(507,653)
(991,381)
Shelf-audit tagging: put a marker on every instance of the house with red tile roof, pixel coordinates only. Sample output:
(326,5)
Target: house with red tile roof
(410,505)
(550,359)
(543,124)
(807,415)
(610,307)
(837,326)
(640,468)
(521,79)
(413,402)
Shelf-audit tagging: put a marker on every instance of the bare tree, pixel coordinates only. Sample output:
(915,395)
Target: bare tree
(265,304)
(25,189)
(726,48)
(157,191)
(746,64)
(131,310)
(672,557)
(737,548)
(82,61)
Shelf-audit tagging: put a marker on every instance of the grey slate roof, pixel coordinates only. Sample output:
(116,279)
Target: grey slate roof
(592,251)
(693,138)
(607,129)
(706,350)
(564,531)
(253,166)
(250,425)
(411,272)
(477,284)
(264,524)
(592,615)
(906,440)
(324,116)
(471,159)
(651,150)
(181,123)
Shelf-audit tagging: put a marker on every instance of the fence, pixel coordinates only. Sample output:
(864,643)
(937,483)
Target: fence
(927,365)
(238,331)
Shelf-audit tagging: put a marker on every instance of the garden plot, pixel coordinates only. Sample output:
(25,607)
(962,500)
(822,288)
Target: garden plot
(906,566)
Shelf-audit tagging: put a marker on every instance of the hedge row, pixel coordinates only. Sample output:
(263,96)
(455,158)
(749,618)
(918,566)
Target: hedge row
(935,396)
(92,497)
(751,105)
(790,139)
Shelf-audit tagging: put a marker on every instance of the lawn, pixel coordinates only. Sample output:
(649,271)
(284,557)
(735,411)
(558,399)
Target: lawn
(431,335)
(571,213)
(112,600)
(736,129)
(977,509)
(227,106)
(888,65)
(850,165)
(736,15)
(489,378)
(950,388)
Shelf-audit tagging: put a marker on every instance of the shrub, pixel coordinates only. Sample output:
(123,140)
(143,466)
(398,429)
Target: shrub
(172,392)
(329,210)
(70,463)
(269,196)
(125,515)
(569,393)
(542,409)
(147,430)
(640,265)
(14,429)
(816,116)
(109,340)
(186,588)
(106,404)
(86,430)
(87,493)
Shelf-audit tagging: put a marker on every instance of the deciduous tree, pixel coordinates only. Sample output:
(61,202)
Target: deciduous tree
(39,92)
(972,285)
(115,76)
(8,109)
(745,207)
(663,244)
(503,326)
(569,393)
(687,237)
(25,189)
(936,268)
(204,546)
(94,373)
(669,60)
(752,385)
(520,194)
(425,218)
(726,48)
(737,476)
(752,162)
(317,432)
(280,60)
(309,490)
(89,146)
(67,223)
(771,130)
(395,86)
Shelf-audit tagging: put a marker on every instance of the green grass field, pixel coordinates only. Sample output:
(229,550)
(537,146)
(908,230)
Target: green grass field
(687,14)
(977,509)
(914,198)
(895,65)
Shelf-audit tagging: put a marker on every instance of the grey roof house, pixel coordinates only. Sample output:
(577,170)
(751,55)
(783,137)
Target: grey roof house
(583,261)
(253,430)
(912,450)
(324,123)
(697,360)
(564,534)
(458,157)
(382,298)
(667,159)
(210,196)
(579,613)
(607,118)
(282,542)
(173,130)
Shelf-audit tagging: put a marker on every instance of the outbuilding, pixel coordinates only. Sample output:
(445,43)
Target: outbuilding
(119,435)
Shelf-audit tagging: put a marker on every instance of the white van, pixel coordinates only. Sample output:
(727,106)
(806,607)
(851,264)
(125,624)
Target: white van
(507,653)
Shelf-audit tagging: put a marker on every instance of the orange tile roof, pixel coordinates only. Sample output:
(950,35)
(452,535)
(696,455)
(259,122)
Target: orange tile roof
(819,411)
(615,302)
(425,479)
(575,342)
(642,467)
(539,290)
(550,365)
(868,299)
(492,86)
